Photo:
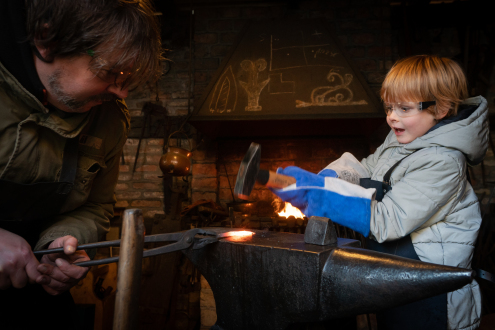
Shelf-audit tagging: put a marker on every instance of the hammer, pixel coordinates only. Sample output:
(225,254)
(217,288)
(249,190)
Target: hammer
(250,172)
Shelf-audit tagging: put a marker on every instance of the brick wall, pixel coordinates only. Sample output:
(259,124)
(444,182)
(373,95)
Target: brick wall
(204,170)
(141,188)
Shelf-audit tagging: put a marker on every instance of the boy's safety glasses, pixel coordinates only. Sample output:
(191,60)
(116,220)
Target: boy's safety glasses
(407,109)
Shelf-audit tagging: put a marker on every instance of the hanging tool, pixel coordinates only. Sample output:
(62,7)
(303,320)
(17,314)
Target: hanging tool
(184,240)
(146,110)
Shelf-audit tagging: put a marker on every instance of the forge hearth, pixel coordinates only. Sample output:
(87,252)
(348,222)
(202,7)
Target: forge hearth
(274,280)
(274,223)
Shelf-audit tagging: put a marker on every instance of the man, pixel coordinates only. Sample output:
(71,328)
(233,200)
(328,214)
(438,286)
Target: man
(65,67)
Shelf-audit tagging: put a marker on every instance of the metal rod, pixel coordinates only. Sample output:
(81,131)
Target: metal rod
(97,262)
(129,271)
(228,180)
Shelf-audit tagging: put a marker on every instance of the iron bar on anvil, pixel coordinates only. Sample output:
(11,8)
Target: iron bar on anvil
(274,279)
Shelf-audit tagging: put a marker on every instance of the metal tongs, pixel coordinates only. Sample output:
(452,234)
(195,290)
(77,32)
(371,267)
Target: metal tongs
(183,239)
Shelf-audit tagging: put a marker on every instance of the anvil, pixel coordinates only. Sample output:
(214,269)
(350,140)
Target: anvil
(273,280)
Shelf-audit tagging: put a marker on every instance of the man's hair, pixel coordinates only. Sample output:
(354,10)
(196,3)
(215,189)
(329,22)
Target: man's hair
(125,32)
(426,78)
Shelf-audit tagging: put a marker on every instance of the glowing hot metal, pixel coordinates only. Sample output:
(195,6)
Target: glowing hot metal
(240,235)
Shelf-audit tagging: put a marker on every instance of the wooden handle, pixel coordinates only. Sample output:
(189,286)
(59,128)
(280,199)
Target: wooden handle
(279,181)
(129,271)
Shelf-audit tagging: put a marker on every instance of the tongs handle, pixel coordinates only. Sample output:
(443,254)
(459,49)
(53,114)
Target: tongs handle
(169,237)
(182,241)
(80,247)
(84,247)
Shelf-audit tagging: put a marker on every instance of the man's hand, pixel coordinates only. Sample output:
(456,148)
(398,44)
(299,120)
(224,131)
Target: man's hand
(18,265)
(59,266)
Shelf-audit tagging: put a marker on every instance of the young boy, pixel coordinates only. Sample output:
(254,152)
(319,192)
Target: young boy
(424,207)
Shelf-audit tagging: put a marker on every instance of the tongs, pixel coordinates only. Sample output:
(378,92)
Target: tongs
(183,239)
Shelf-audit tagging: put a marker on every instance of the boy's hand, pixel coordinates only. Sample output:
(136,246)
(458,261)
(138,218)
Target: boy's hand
(59,266)
(326,196)
(298,197)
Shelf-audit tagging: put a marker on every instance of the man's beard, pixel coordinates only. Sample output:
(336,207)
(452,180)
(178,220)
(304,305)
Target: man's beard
(73,104)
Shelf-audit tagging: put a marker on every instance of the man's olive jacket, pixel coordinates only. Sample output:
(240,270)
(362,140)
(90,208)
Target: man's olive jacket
(32,140)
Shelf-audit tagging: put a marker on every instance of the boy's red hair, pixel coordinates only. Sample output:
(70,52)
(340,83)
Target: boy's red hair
(426,78)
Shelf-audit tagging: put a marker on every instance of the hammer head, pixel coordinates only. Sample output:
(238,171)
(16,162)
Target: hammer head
(248,172)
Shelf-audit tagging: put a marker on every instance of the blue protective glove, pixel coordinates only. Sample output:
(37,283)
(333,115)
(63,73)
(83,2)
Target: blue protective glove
(326,196)
(298,198)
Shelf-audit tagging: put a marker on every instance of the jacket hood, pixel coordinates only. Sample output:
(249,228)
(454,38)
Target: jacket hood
(467,132)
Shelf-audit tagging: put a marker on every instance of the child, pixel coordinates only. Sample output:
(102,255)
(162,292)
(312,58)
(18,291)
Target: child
(424,207)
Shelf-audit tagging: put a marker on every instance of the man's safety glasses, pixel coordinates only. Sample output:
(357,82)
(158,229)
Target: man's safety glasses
(116,77)
(407,109)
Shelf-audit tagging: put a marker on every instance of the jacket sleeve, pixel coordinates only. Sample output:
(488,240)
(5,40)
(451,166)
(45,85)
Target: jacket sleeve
(90,221)
(422,196)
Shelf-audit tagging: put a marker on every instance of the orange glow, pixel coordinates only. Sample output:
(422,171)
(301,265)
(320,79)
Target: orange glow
(237,236)
(241,233)
(291,210)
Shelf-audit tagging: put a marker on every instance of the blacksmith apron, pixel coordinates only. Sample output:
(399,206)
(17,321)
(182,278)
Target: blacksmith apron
(23,207)
(426,314)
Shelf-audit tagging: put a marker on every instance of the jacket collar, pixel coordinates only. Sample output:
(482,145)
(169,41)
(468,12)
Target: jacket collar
(67,125)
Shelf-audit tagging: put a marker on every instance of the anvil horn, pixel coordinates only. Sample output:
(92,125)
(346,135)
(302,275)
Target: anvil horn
(362,281)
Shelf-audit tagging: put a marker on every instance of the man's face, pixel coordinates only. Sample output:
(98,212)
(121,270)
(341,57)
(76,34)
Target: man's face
(72,87)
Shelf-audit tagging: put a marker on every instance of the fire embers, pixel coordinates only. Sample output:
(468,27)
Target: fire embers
(290,210)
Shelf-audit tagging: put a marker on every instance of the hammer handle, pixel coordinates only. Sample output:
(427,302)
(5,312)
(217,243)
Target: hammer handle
(275,180)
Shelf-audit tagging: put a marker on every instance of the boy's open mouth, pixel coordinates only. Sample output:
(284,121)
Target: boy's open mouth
(398,130)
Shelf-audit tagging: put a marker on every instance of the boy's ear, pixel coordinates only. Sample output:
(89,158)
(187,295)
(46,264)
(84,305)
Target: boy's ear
(441,115)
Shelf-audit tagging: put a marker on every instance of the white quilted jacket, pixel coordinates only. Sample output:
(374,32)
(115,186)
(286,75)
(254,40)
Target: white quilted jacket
(432,200)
